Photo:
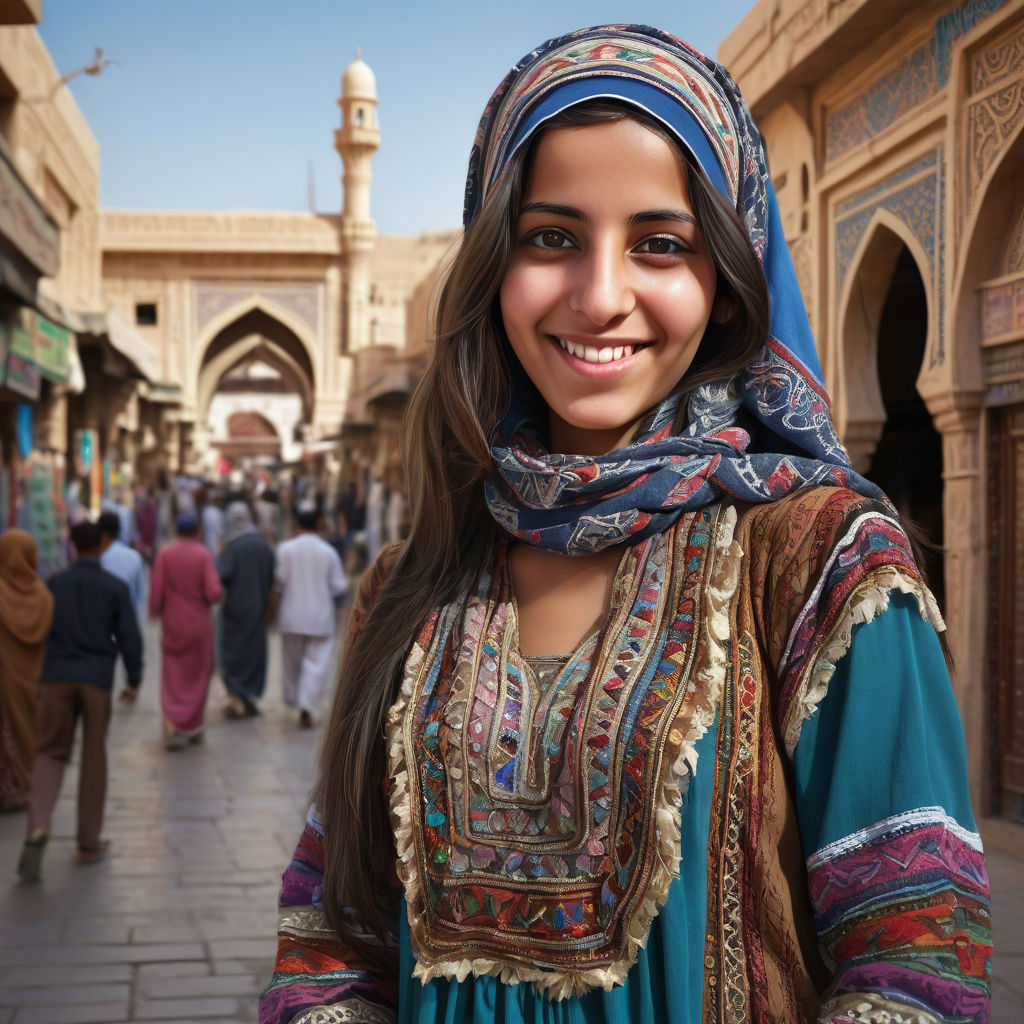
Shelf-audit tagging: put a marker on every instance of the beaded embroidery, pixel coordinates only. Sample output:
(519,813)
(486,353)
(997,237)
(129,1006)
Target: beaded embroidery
(538,828)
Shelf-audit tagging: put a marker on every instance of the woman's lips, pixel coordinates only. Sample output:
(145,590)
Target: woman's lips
(599,360)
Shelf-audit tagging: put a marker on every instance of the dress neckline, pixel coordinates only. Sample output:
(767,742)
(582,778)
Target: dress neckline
(591,637)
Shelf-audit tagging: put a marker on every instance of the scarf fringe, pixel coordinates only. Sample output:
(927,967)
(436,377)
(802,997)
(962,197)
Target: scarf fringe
(866,604)
(709,676)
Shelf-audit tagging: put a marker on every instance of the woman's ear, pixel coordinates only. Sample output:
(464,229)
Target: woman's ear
(723,309)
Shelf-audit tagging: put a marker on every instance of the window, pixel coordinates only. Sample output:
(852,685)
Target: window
(145,314)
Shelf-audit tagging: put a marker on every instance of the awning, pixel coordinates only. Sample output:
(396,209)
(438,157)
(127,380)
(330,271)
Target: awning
(134,347)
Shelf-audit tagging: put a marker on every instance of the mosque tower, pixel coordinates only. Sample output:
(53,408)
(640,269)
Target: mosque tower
(356,142)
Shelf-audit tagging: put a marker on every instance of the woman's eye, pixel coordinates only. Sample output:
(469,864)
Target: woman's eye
(662,245)
(549,238)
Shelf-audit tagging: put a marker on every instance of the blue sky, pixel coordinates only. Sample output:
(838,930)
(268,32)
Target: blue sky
(224,104)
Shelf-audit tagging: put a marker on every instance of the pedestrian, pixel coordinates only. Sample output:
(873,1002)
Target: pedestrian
(93,622)
(246,569)
(183,587)
(311,583)
(648,719)
(124,562)
(147,523)
(26,611)
(212,519)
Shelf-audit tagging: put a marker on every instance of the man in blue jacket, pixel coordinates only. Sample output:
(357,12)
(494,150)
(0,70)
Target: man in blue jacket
(93,621)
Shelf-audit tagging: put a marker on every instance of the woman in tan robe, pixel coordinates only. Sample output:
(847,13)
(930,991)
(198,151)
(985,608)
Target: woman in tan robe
(26,610)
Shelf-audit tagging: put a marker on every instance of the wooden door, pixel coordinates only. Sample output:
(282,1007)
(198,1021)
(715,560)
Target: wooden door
(1006,612)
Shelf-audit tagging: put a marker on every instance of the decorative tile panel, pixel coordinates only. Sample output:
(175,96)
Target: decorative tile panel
(917,77)
(302,300)
(915,197)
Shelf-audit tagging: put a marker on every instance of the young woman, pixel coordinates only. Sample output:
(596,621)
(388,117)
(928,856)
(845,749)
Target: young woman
(648,720)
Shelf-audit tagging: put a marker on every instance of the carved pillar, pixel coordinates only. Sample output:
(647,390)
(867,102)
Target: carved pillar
(957,417)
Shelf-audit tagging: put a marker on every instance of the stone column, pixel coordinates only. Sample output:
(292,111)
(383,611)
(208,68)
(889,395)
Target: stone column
(957,417)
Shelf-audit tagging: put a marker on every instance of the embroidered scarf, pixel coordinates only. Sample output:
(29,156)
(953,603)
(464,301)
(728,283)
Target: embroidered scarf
(757,437)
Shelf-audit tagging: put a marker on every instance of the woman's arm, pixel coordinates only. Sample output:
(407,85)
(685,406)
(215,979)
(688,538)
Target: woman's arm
(895,869)
(316,979)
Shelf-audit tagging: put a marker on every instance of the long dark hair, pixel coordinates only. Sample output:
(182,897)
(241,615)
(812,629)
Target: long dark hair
(446,456)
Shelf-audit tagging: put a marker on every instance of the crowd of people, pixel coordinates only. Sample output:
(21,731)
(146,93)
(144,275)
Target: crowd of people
(240,562)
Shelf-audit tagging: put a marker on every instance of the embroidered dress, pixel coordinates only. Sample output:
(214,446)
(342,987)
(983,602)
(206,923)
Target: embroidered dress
(756,832)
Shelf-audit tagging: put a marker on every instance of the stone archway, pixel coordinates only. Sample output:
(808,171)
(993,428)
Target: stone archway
(255,364)
(907,461)
(860,405)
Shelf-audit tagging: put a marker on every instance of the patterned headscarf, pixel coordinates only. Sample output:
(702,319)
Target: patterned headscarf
(757,436)
(237,522)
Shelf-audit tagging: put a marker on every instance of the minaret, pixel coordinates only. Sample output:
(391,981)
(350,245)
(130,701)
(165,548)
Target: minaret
(356,142)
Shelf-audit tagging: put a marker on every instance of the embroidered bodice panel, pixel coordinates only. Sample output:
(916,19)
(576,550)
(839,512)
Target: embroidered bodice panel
(536,817)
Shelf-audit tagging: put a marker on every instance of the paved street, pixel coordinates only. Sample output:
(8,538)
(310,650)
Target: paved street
(178,924)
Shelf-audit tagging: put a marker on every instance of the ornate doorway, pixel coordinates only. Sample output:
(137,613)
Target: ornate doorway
(907,464)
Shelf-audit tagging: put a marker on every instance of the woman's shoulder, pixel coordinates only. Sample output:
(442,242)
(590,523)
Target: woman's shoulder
(804,530)
(817,549)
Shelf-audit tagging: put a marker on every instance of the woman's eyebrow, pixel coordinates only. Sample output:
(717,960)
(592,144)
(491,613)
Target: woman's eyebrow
(554,208)
(648,215)
(643,217)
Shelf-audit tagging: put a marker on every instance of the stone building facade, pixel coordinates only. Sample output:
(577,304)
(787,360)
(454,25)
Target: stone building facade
(300,320)
(894,131)
(68,380)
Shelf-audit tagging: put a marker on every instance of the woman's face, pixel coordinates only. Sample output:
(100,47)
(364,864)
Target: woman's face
(611,283)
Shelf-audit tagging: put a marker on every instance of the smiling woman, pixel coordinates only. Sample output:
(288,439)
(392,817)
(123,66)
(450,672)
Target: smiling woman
(611,283)
(648,720)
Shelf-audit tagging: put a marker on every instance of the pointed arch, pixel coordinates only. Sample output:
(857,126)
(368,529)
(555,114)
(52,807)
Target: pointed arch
(860,410)
(256,303)
(253,334)
(996,213)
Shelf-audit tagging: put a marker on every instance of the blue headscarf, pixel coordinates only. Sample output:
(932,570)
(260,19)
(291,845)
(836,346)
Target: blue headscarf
(755,437)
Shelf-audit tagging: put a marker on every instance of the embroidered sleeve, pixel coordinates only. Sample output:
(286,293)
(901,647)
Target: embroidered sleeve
(316,979)
(895,867)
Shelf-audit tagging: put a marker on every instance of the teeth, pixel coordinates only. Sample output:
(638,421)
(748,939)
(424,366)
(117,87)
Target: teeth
(596,355)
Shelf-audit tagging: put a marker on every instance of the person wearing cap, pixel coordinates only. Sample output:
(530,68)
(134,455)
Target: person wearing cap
(183,587)
(93,623)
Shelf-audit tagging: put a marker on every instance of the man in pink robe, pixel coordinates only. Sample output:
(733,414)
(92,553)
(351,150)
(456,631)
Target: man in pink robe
(183,586)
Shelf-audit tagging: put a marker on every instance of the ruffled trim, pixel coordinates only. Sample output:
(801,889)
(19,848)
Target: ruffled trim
(868,601)
(709,673)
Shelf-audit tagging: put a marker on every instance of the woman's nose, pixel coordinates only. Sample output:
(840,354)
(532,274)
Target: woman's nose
(603,291)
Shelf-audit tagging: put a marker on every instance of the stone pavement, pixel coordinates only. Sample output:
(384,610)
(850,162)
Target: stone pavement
(178,924)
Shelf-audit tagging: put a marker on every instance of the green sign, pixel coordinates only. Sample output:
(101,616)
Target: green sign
(22,343)
(53,350)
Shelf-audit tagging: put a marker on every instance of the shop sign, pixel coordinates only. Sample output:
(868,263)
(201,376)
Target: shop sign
(21,376)
(53,350)
(25,223)
(22,343)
